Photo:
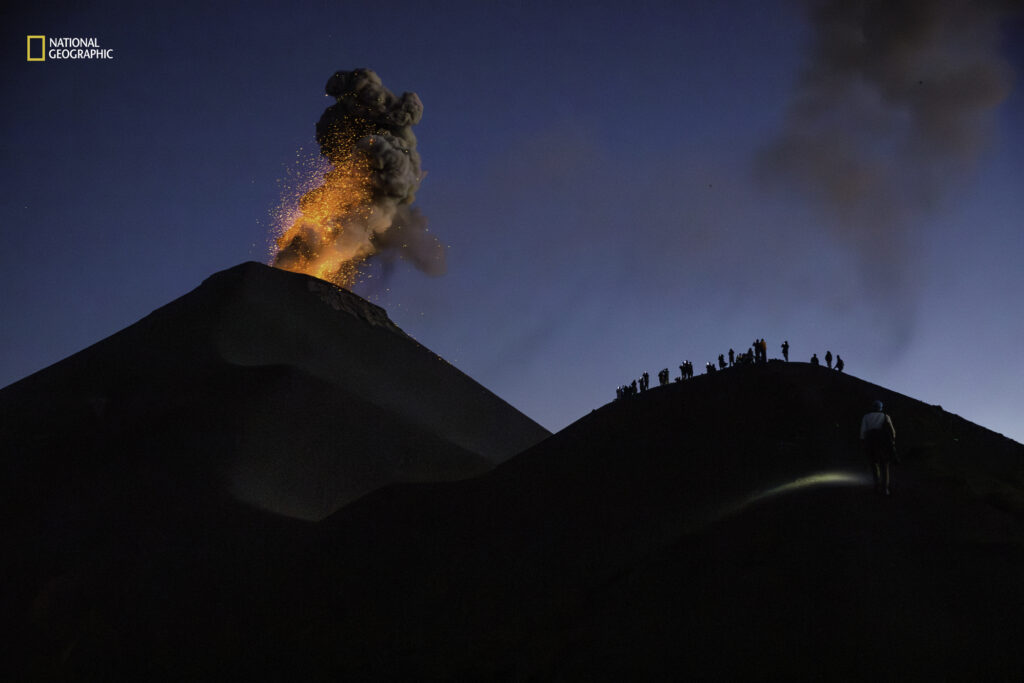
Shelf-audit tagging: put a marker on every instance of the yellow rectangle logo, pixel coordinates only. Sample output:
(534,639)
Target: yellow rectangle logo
(42,49)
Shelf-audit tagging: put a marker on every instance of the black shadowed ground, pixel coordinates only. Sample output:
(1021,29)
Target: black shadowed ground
(622,548)
(650,539)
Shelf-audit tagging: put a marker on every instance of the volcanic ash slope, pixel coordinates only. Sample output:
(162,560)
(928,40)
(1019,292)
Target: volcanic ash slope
(294,394)
(725,527)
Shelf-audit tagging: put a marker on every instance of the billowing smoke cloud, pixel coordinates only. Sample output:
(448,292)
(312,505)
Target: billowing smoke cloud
(891,111)
(363,207)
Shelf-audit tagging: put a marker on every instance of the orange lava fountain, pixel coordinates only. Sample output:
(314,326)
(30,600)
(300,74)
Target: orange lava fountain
(334,221)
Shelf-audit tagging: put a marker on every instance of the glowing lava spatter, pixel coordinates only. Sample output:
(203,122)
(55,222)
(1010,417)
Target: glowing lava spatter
(325,234)
(362,205)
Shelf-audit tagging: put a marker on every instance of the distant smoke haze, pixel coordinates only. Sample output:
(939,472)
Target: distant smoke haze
(363,206)
(892,109)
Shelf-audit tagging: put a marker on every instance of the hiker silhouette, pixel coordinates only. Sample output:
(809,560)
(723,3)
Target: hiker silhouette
(878,437)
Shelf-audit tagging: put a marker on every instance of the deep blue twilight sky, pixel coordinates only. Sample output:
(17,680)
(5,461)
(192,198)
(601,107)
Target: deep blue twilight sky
(620,186)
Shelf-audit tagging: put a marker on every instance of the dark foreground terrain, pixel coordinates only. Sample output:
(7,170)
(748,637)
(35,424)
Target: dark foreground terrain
(724,527)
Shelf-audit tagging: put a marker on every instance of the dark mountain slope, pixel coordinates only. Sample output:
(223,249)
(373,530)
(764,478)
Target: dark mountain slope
(294,394)
(655,538)
(560,563)
(822,583)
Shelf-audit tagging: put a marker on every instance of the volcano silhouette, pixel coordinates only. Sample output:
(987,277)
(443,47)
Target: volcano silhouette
(723,527)
(298,395)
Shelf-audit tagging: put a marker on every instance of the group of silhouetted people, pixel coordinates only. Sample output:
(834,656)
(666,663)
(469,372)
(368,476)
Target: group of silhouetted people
(635,387)
(626,390)
(828,361)
(877,434)
(756,354)
(686,370)
(644,383)
(760,350)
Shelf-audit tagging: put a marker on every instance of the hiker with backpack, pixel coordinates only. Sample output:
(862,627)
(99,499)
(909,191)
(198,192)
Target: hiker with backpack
(879,439)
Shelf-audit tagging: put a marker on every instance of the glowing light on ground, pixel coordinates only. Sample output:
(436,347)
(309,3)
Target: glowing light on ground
(813,480)
(818,479)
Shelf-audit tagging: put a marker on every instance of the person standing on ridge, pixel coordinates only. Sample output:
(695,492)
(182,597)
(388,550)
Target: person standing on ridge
(785,350)
(732,357)
(879,439)
(828,359)
(814,359)
(839,363)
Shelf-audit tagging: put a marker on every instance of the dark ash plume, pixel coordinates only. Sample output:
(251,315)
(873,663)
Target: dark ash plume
(363,206)
(891,110)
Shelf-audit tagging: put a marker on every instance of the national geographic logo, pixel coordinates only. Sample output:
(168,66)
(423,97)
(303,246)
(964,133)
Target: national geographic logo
(66,48)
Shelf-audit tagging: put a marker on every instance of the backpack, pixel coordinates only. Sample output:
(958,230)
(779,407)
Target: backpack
(881,438)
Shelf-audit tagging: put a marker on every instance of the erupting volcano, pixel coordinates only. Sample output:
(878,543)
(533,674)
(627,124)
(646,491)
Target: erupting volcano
(363,205)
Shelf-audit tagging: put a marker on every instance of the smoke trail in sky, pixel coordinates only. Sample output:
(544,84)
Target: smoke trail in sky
(891,110)
(363,205)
